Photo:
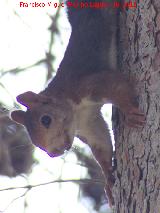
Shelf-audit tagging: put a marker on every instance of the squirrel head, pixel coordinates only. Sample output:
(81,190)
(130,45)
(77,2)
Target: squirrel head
(49,122)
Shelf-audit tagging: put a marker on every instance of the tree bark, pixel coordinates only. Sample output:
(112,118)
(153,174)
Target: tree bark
(137,151)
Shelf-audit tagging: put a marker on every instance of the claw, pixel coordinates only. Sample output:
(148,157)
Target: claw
(108,191)
(135,118)
(108,188)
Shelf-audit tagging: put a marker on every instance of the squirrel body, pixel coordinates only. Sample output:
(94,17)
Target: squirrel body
(87,78)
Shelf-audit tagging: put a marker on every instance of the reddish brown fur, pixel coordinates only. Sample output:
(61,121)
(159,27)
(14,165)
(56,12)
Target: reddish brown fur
(86,79)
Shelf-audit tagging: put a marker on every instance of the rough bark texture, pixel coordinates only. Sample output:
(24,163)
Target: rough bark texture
(137,187)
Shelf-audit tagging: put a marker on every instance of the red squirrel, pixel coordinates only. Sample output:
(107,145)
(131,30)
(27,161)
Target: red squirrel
(86,79)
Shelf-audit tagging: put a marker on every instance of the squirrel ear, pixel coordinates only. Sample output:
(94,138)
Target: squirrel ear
(18,116)
(31,99)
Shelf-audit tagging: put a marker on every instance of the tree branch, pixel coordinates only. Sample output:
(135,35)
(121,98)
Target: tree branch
(80,181)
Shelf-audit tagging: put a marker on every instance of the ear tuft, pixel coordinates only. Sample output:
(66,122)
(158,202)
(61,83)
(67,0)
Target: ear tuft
(31,99)
(27,98)
(18,116)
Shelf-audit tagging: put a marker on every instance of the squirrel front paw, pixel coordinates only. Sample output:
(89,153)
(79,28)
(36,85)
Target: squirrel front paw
(135,118)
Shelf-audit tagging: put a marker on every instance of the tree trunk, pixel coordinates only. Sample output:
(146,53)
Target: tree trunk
(137,151)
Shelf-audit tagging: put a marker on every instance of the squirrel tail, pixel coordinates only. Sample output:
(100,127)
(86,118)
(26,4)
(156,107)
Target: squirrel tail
(80,11)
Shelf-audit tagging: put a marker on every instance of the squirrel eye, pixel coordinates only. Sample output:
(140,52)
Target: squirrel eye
(46,120)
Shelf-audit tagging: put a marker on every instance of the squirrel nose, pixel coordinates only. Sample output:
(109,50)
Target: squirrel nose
(61,149)
(67,146)
(56,152)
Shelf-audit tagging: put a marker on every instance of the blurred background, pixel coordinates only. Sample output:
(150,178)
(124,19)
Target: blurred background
(33,42)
